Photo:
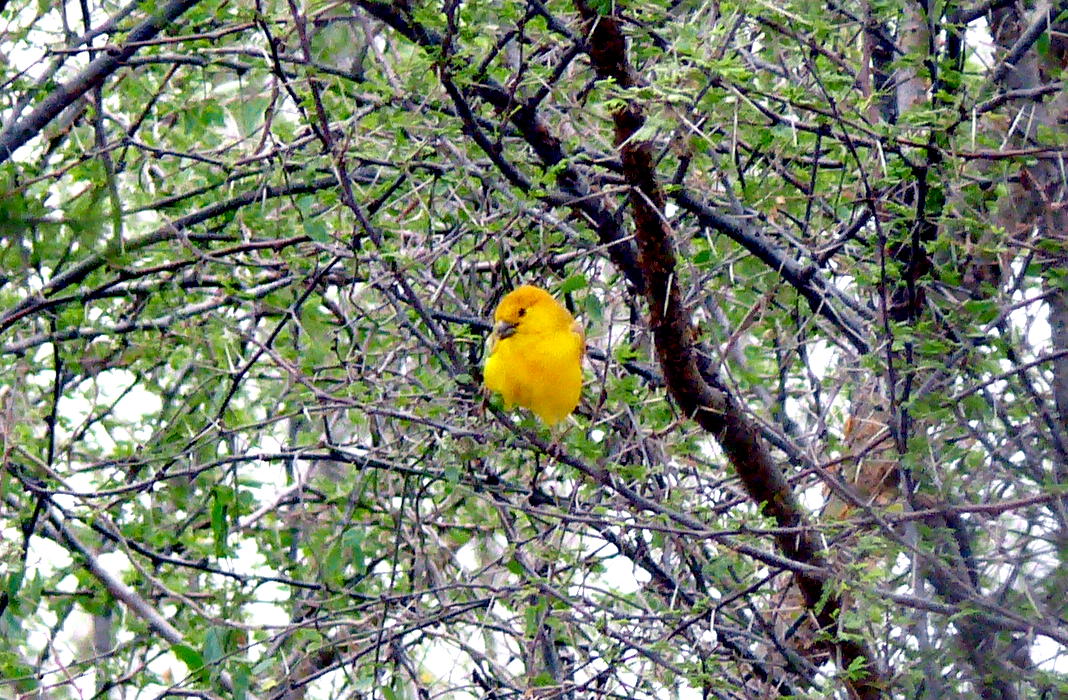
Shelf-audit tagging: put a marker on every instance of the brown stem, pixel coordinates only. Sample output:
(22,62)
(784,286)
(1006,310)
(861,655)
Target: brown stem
(696,389)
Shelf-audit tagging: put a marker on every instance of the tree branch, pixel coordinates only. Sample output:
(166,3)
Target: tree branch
(699,395)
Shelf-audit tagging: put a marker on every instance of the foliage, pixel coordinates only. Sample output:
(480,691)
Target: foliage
(246,279)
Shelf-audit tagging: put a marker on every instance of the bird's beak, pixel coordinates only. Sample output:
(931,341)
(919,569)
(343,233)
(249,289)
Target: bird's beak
(503,329)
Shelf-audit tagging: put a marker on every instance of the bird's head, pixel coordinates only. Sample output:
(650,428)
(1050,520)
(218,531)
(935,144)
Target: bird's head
(529,309)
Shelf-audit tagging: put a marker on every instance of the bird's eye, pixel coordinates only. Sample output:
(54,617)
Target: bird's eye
(522,313)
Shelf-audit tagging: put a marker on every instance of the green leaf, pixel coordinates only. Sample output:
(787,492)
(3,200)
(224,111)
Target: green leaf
(214,646)
(316,230)
(335,559)
(543,680)
(14,583)
(264,666)
(189,656)
(984,310)
(353,541)
(220,525)
(572,283)
(1042,44)
(241,678)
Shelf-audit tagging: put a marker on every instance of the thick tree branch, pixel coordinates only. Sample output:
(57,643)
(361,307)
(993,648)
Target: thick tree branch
(699,395)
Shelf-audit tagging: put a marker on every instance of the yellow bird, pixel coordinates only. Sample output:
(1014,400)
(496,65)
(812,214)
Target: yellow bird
(535,354)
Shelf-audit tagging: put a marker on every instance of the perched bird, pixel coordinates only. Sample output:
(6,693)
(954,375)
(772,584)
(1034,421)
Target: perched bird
(535,354)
